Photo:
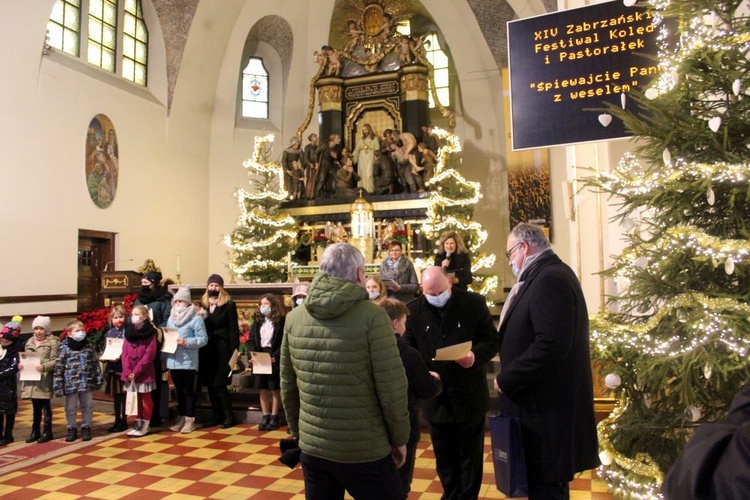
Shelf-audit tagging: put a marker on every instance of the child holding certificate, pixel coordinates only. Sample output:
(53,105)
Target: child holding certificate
(113,370)
(183,362)
(266,333)
(138,372)
(44,347)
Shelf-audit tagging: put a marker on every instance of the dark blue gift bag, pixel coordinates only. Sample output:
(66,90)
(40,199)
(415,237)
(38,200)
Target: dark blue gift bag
(508,456)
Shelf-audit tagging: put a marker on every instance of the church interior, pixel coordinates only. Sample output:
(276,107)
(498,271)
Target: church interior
(126,130)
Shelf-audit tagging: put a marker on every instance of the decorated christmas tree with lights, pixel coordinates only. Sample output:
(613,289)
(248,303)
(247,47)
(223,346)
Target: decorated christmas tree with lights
(451,207)
(674,346)
(263,240)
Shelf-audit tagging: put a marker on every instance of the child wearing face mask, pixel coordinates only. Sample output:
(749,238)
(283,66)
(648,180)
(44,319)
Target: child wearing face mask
(113,370)
(46,346)
(266,334)
(376,289)
(138,372)
(423,384)
(10,342)
(183,362)
(299,293)
(77,375)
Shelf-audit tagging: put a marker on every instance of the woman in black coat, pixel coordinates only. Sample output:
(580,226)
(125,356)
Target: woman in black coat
(454,258)
(266,333)
(223,331)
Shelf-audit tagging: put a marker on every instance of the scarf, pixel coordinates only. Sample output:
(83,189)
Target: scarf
(152,295)
(395,269)
(74,345)
(182,318)
(134,334)
(529,264)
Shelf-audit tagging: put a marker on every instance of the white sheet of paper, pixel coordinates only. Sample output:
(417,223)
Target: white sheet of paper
(233,361)
(30,361)
(261,363)
(453,352)
(170,340)
(113,349)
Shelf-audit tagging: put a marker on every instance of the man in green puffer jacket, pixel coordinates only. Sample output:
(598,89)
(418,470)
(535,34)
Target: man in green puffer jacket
(343,385)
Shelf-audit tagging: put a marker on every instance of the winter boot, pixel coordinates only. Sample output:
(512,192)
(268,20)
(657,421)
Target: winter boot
(263,426)
(273,424)
(72,435)
(115,424)
(47,434)
(189,425)
(35,435)
(123,426)
(10,421)
(136,427)
(177,427)
(86,433)
(143,430)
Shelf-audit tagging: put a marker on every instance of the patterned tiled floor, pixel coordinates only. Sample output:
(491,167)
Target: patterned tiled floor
(235,463)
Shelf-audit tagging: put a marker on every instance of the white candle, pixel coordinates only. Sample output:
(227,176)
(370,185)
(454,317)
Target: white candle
(178,264)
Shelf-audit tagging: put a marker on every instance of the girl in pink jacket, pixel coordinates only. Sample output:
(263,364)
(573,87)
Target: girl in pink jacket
(138,374)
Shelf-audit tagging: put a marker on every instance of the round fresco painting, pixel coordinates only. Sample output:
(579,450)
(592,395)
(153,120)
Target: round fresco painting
(102,164)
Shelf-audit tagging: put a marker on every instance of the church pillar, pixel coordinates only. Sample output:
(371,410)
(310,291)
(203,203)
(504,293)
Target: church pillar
(330,94)
(415,105)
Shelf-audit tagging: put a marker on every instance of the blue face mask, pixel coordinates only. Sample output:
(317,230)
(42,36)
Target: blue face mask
(373,295)
(78,335)
(514,268)
(439,300)
(265,310)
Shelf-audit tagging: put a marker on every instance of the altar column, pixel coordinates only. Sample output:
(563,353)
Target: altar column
(330,94)
(415,104)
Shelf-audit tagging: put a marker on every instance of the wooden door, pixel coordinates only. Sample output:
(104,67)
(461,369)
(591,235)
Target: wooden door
(95,249)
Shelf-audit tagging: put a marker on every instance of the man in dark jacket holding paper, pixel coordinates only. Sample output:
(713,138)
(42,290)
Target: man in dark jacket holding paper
(443,317)
(545,377)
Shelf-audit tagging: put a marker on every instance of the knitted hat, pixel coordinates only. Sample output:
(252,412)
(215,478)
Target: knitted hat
(12,329)
(43,321)
(154,277)
(182,294)
(215,278)
(301,290)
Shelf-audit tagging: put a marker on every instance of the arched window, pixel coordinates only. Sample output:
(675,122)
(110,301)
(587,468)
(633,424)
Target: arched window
(255,89)
(115,34)
(439,61)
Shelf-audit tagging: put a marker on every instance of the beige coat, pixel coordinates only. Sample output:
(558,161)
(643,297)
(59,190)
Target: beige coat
(47,351)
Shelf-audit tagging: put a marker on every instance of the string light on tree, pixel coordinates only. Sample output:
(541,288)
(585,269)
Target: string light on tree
(678,335)
(263,238)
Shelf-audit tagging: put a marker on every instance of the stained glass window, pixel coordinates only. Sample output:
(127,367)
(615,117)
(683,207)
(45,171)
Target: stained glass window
(102,33)
(255,89)
(64,26)
(439,62)
(134,43)
(116,35)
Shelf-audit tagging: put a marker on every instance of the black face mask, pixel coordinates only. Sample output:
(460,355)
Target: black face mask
(213,293)
(145,288)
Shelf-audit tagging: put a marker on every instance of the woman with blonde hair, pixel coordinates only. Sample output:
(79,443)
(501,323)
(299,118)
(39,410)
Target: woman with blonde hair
(454,258)
(222,326)
(376,289)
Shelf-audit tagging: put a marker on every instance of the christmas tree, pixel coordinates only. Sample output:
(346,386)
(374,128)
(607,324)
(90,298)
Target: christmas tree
(451,207)
(674,346)
(263,239)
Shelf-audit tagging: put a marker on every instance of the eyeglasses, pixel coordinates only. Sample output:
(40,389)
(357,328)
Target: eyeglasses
(512,249)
